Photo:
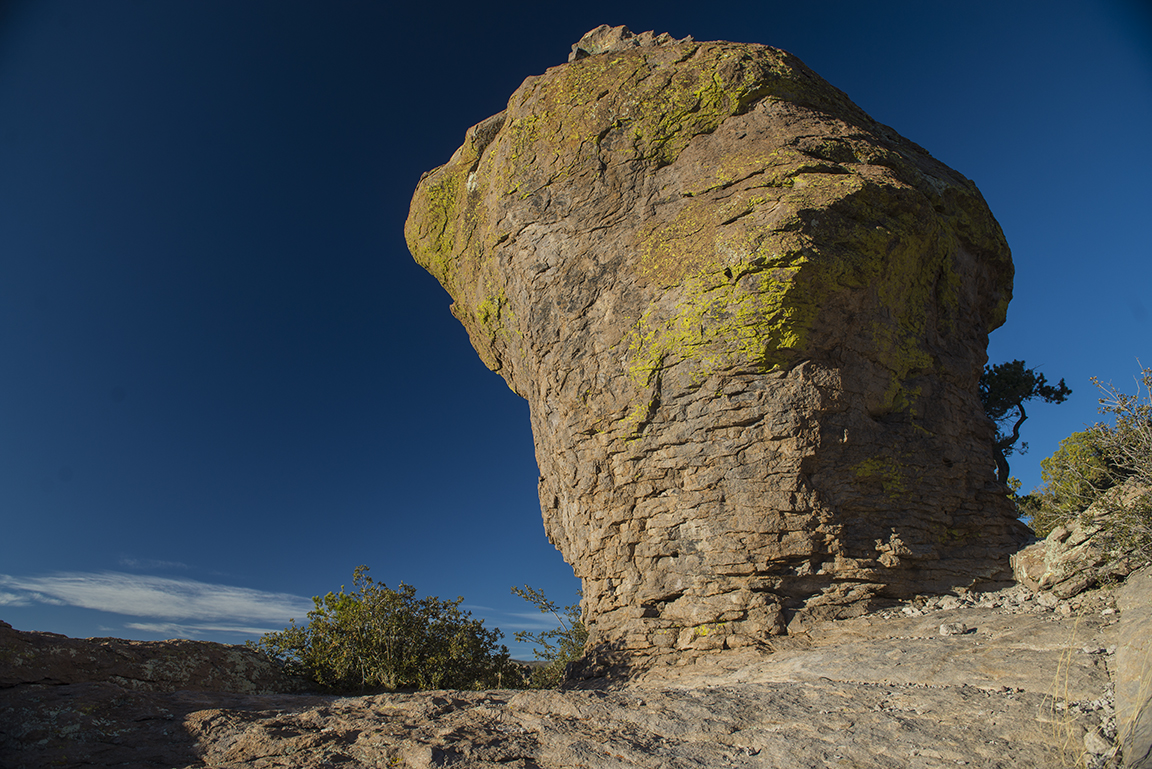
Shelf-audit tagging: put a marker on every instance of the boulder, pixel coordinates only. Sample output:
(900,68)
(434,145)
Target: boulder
(606,39)
(1076,556)
(749,321)
(150,666)
(1133,673)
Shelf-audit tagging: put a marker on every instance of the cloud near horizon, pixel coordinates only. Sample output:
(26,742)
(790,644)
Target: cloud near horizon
(150,563)
(186,608)
(177,630)
(186,604)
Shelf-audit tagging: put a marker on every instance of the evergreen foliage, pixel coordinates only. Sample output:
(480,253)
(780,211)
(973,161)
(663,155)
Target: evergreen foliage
(555,647)
(1004,389)
(375,638)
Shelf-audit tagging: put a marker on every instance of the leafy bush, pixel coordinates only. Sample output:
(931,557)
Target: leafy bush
(555,647)
(1091,462)
(1128,443)
(1127,449)
(1074,477)
(376,638)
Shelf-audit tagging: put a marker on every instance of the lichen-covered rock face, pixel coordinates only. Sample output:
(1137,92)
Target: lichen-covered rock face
(749,321)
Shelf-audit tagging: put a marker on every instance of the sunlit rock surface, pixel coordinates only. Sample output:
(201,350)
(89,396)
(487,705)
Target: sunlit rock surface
(1026,686)
(749,321)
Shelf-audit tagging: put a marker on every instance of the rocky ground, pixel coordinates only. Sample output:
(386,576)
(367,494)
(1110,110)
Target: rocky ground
(1009,679)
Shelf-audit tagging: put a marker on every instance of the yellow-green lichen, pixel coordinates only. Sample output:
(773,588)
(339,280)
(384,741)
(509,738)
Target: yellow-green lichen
(493,326)
(887,471)
(433,227)
(708,629)
(712,322)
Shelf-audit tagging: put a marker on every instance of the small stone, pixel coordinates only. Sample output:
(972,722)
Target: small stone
(1096,743)
(953,628)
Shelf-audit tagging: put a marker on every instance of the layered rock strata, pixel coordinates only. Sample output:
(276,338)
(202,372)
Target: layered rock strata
(1026,687)
(749,321)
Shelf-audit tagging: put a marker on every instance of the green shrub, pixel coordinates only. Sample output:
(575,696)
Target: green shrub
(1091,462)
(375,638)
(1074,477)
(556,648)
(1127,448)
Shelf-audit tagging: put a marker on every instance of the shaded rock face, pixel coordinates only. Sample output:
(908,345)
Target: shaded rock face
(31,658)
(749,321)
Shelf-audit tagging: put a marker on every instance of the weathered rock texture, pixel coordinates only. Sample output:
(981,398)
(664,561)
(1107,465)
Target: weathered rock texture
(155,666)
(1133,670)
(749,321)
(1025,688)
(1075,556)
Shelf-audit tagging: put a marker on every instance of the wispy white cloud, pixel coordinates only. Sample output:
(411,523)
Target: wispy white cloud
(177,630)
(183,601)
(150,563)
(11,599)
(476,608)
(532,621)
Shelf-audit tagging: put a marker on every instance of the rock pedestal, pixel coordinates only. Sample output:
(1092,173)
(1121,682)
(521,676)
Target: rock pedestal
(749,321)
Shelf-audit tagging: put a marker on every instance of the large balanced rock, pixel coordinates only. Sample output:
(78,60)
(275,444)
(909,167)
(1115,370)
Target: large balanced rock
(749,321)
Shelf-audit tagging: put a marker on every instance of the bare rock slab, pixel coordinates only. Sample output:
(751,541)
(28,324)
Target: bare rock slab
(1134,670)
(751,725)
(1026,690)
(749,321)
(1043,654)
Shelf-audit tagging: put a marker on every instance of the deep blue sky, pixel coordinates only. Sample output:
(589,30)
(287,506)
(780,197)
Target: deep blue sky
(225,384)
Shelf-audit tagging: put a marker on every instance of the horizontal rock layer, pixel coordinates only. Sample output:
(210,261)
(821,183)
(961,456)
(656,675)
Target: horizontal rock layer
(1026,688)
(749,321)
